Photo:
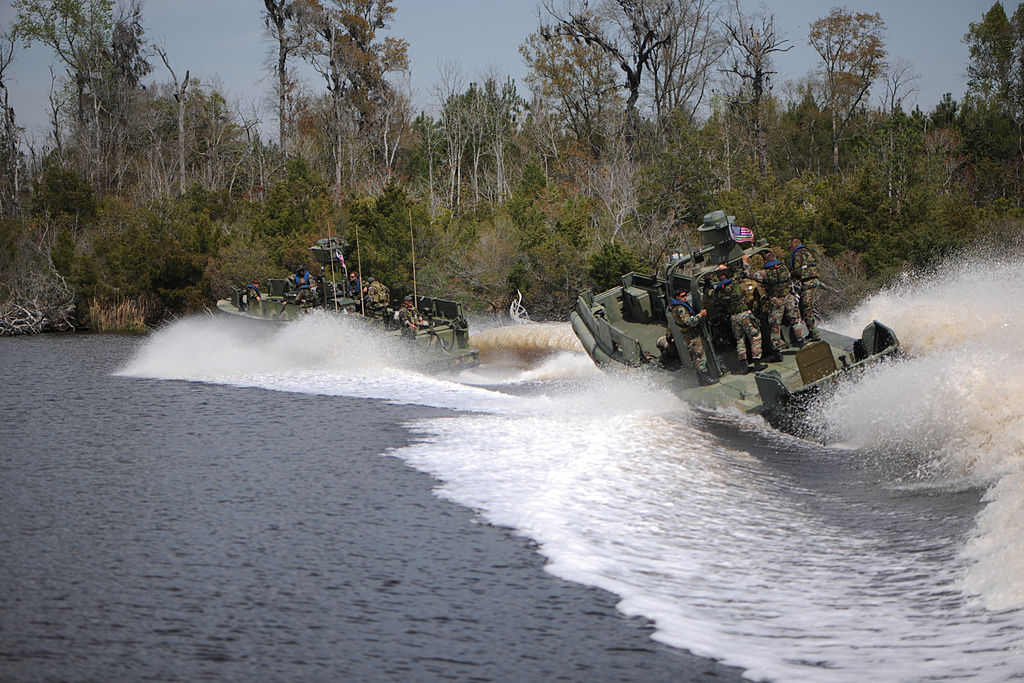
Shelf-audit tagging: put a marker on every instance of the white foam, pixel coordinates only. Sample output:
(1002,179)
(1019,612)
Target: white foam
(633,497)
(623,489)
(317,354)
(956,406)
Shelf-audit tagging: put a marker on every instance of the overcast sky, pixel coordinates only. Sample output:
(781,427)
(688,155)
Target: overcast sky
(224,39)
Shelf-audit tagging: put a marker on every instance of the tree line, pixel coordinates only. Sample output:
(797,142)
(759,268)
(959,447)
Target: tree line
(152,193)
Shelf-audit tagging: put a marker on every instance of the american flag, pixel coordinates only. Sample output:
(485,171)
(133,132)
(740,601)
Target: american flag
(741,233)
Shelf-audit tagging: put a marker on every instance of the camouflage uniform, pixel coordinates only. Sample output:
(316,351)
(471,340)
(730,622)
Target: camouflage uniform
(251,296)
(376,296)
(782,306)
(410,318)
(805,272)
(689,323)
(732,297)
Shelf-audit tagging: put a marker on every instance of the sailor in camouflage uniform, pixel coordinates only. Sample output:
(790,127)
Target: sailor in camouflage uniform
(782,306)
(732,297)
(804,271)
(409,318)
(689,321)
(376,296)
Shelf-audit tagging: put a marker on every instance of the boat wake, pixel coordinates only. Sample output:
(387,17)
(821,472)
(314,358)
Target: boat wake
(951,414)
(792,560)
(525,344)
(331,355)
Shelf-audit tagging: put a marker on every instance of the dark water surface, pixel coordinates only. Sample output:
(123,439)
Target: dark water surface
(176,531)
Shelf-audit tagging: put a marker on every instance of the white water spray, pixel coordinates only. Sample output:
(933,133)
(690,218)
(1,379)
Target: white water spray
(624,489)
(525,344)
(955,406)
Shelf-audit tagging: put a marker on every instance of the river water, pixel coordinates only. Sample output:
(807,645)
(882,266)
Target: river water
(213,501)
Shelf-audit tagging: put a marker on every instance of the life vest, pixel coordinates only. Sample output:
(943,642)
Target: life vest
(776,278)
(808,268)
(377,292)
(684,315)
(731,295)
(688,307)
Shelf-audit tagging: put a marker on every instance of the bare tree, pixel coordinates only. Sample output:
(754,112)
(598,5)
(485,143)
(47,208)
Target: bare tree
(34,297)
(9,134)
(681,69)
(255,156)
(395,121)
(853,56)
(613,181)
(502,114)
(576,79)
(631,32)
(282,24)
(453,125)
(75,30)
(542,132)
(354,66)
(127,66)
(901,81)
(179,101)
(753,40)
(56,107)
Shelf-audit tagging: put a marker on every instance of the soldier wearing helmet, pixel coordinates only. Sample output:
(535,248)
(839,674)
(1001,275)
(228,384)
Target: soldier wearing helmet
(688,321)
(804,271)
(782,306)
(733,298)
(409,317)
(377,295)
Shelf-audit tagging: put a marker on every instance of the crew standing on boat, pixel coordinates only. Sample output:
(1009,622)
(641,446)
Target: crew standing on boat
(734,299)
(804,271)
(376,296)
(689,322)
(782,306)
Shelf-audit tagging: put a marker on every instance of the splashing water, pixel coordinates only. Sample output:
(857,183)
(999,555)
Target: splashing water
(730,555)
(525,344)
(955,406)
(317,354)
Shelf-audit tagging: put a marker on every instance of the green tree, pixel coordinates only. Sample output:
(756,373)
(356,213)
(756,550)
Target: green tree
(580,81)
(354,64)
(609,263)
(752,46)
(551,224)
(853,56)
(105,63)
(630,32)
(993,117)
(63,195)
(296,205)
(686,175)
(382,229)
(75,30)
(993,47)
